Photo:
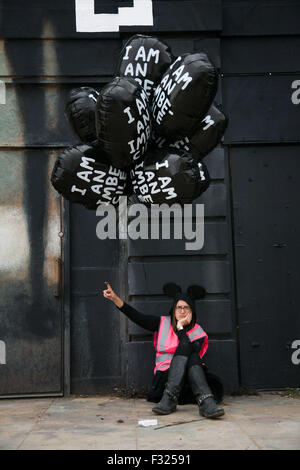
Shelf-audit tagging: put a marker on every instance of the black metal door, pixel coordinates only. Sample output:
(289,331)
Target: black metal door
(31,291)
(265,193)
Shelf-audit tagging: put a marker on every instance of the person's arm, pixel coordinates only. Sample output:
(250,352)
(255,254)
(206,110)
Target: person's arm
(194,345)
(149,322)
(197,345)
(183,338)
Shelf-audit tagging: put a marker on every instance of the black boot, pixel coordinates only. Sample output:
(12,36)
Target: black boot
(168,403)
(205,399)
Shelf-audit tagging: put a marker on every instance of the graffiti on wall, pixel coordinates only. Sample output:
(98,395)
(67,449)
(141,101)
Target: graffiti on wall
(87,21)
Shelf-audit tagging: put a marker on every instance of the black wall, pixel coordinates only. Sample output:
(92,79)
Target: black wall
(260,41)
(249,312)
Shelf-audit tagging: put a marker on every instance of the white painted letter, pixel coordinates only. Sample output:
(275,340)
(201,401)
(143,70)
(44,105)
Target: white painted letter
(296,354)
(2,352)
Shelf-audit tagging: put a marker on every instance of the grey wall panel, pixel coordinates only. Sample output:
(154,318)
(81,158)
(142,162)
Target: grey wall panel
(215,242)
(93,251)
(215,162)
(260,109)
(214,200)
(253,55)
(95,339)
(140,358)
(261,18)
(89,280)
(213,315)
(221,359)
(211,46)
(148,278)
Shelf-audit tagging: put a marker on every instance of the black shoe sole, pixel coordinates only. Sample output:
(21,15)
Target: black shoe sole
(162,412)
(215,415)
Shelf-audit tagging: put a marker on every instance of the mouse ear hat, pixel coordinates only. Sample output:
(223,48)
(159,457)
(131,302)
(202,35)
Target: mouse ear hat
(171,289)
(193,293)
(197,292)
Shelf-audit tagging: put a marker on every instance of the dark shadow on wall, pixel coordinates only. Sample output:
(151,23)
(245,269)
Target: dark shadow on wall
(18,20)
(35,317)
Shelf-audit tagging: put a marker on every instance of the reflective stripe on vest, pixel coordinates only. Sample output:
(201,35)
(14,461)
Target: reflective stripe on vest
(166,342)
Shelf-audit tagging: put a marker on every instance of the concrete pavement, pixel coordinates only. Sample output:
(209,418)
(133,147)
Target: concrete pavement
(264,421)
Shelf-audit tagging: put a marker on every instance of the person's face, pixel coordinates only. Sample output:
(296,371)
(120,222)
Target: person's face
(182,309)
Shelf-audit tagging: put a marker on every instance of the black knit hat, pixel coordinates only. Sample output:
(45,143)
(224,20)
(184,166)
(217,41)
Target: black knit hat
(193,293)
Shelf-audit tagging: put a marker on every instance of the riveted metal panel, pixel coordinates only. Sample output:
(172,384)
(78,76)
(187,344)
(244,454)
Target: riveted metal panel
(261,108)
(266,239)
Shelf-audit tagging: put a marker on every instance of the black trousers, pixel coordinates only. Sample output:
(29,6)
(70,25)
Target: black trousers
(186,396)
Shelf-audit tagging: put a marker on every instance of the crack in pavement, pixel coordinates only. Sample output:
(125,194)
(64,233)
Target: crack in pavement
(36,421)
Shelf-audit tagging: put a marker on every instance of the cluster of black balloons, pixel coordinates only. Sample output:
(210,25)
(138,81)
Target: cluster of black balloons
(145,133)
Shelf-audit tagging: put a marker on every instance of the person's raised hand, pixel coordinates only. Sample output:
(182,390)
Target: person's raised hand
(109,293)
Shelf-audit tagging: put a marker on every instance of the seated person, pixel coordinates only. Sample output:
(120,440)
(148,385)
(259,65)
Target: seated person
(180,376)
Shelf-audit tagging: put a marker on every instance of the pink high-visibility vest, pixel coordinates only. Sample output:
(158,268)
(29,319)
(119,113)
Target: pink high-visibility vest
(166,341)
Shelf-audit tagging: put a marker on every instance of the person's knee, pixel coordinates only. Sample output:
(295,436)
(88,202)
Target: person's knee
(194,360)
